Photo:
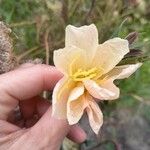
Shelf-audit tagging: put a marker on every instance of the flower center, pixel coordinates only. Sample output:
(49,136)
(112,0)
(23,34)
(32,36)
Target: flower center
(81,74)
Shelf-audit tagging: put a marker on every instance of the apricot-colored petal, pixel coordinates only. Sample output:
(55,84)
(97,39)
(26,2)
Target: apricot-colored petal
(98,91)
(69,59)
(121,72)
(85,37)
(76,92)
(60,97)
(110,86)
(110,53)
(75,109)
(95,115)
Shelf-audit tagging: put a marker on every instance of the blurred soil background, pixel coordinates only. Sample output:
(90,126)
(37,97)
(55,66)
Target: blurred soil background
(38,28)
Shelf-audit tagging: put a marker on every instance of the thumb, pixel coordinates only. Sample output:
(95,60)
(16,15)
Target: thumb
(51,131)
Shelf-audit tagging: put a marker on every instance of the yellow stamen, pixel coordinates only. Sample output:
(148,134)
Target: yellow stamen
(81,75)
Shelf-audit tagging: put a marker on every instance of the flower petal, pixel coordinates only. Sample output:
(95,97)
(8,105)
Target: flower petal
(85,37)
(76,92)
(95,115)
(110,53)
(110,86)
(121,72)
(97,91)
(75,109)
(60,97)
(69,59)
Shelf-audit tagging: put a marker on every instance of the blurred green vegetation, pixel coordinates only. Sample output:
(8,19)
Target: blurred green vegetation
(36,23)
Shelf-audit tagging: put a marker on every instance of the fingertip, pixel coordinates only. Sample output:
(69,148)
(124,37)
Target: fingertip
(77,134)
(53,73)
(50,74)
(30,81)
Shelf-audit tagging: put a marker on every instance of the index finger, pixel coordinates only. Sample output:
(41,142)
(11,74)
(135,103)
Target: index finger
(22,84)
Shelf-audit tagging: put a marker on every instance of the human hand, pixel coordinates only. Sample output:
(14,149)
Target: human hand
(35,128)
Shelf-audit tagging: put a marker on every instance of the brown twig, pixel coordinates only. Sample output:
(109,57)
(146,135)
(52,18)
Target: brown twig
(90,11)
(46,41)
(64,12)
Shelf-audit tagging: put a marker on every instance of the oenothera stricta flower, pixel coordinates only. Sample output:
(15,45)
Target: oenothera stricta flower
(89,70)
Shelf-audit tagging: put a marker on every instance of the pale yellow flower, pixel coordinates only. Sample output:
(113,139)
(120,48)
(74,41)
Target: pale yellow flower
(89,70)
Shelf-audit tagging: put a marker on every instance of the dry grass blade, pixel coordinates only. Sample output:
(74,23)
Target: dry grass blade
(140,99)
(23,23)
(27,52)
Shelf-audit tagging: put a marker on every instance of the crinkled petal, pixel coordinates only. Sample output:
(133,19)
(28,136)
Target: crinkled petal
(110,53)
(110,86)
(121,72)
(99,92)
(85,37)
(60,97)
(75,109)
(95,115)
(69,59)
(76,92)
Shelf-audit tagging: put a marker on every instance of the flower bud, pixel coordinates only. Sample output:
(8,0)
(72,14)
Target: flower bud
(131,37)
